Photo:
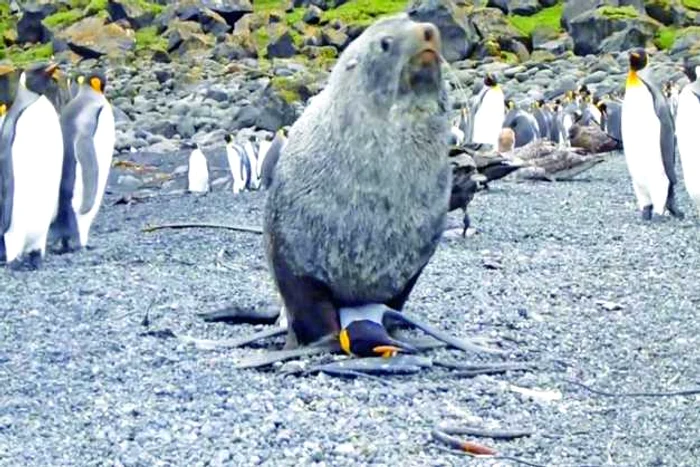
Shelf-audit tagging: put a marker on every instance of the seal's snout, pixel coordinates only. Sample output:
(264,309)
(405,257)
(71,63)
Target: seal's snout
(429,35)
(428,43)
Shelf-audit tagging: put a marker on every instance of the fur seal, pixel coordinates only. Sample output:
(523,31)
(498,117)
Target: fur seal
(350,221)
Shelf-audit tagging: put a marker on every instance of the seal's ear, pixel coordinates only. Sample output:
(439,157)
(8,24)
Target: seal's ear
(352,63)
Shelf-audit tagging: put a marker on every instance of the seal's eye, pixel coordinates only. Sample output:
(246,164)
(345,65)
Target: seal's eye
(386,43)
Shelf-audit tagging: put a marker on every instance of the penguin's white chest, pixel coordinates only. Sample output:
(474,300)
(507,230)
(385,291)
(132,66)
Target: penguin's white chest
(103,141)
(688,138)
(198,174)
(37,160)
(488,119)
(641,135)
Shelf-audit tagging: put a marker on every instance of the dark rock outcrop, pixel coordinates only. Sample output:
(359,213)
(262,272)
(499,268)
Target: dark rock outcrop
(92,38)
(458,34)
(589,30)
(30,28)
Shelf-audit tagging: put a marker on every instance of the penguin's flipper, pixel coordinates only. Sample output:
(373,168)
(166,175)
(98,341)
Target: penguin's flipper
(668,133)
(85,153)
(7,188)
(7,183)
(461,344)
(371,366)
(269,358)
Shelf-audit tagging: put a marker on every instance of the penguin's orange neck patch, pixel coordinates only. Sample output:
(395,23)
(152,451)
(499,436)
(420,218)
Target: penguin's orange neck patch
(96,84)
(345,341)
(633,79)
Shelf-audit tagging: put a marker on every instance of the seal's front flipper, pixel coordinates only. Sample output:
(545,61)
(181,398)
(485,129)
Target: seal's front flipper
(371,367)
(461,344)
(237,315)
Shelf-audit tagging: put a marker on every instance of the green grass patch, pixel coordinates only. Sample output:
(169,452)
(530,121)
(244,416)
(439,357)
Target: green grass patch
(691,4)
(148,39)
(22,56)
(549,18)
(62,18)
(364,11)
(622,12)
(665,37)
(287,88)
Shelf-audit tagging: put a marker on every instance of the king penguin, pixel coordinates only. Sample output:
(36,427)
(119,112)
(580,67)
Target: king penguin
(89,136)
(31,156)
(198,171)
(489,113)
(649,141)
(687,118)
(273,155)
(237,162)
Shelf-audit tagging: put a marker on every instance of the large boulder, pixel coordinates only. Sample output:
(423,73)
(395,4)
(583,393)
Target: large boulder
(458,34)
(590,29)
(135,12)
(671,12)
(192,10)
(575,8)
(186,37)
(686,41)
(497,35)
(92,38)
(230,10)
(30,28)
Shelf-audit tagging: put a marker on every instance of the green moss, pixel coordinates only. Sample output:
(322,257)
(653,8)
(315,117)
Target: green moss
(364,11)
(546,18)
(149,7)
(22,56)
(286,88)
(62,18)
(148,39)
(691,4)
(622,12)
(509,57)
(665,37)
(262,39)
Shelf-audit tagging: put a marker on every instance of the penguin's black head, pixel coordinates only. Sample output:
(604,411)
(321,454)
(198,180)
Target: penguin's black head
(490,80)
(228,137)
(365,338)
(638,59)
(602,106)
(97,81)
(584,91)
(41,77)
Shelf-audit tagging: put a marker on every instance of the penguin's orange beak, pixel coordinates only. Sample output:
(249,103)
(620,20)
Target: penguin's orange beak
(53,71)
(386,351)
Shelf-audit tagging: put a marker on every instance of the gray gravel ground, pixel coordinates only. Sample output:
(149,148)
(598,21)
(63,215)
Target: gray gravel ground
(81,385)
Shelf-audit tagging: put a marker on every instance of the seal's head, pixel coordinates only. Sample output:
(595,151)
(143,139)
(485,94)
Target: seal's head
(394,60)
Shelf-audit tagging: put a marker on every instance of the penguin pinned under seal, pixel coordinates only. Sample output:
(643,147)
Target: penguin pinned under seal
(197,171)
(649,141)
(31,156)
(687,118)
(489,113)
(88,126)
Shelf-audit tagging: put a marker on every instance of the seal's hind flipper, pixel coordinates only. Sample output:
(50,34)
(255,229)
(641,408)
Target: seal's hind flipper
(461,344)
(237,315)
